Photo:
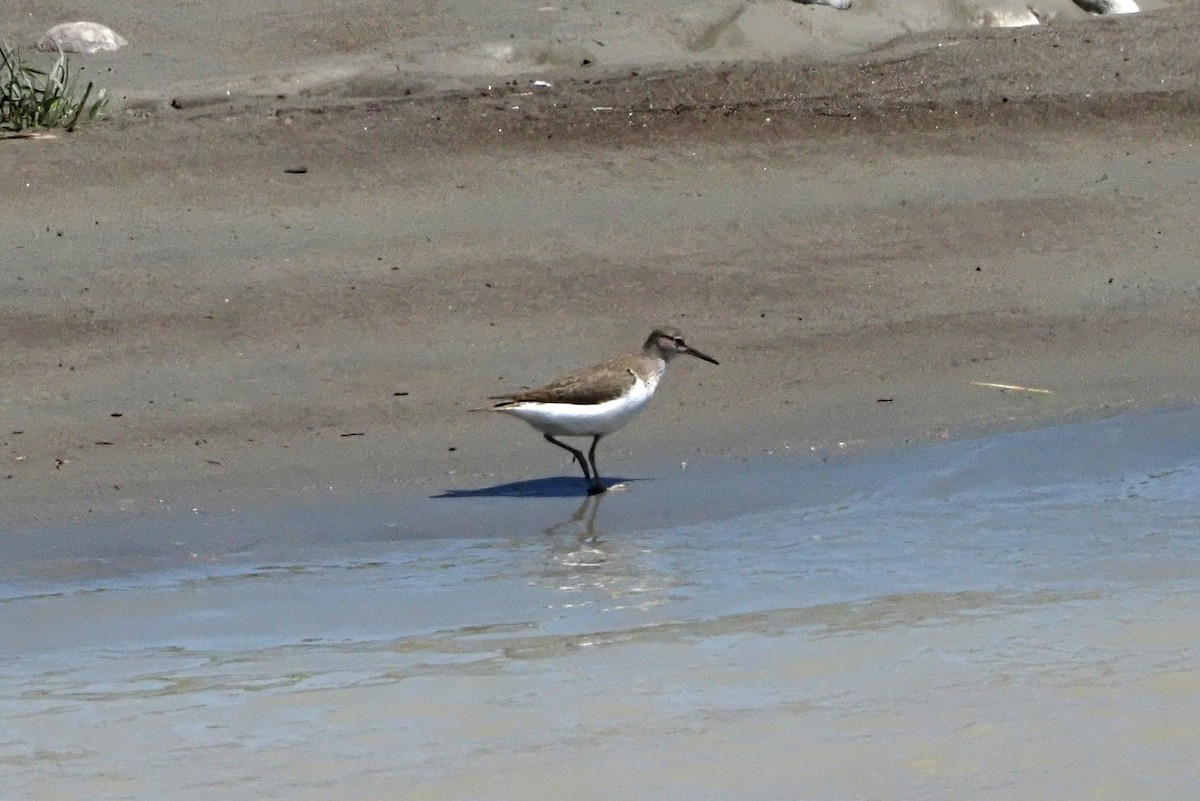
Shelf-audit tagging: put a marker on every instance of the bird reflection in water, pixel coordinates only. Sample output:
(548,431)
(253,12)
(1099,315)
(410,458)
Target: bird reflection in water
(598,572)
(588,551)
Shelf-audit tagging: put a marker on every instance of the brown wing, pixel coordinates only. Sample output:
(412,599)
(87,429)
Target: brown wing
(594,385)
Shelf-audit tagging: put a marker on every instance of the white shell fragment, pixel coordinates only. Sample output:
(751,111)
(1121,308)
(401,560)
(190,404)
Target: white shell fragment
(80,37)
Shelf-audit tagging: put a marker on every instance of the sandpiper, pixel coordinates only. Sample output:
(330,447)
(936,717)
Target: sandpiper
(599,400)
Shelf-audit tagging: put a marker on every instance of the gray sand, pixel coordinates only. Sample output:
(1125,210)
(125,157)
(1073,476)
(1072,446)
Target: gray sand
(194,328)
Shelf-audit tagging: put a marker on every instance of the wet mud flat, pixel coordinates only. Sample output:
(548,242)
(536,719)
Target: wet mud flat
(298,299)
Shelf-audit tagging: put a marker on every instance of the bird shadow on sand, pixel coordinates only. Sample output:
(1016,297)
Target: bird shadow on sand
(555,487)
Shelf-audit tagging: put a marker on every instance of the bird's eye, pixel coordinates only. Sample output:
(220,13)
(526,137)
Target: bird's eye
(678,342)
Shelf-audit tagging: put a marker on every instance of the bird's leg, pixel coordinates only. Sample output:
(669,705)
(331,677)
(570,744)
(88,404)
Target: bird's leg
(596,488)
(578,455)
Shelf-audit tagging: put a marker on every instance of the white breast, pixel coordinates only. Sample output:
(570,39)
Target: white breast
(585,420)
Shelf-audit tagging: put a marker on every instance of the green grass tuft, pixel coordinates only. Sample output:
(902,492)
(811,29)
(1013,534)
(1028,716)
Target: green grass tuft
(31,98)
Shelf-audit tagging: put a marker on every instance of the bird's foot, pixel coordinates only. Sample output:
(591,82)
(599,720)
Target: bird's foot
(596,489)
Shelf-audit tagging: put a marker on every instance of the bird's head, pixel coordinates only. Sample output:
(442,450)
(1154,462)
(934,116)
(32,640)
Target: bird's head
(667,343)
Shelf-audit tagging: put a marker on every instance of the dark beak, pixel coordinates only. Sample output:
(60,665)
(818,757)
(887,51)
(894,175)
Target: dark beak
(693,352)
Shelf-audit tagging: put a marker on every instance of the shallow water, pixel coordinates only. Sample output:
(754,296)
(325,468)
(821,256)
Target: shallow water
(1004,618)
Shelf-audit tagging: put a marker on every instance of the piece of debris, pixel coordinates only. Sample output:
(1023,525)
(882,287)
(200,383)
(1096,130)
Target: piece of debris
(1013,387)
(27,135)
(1108,6)
(201,100)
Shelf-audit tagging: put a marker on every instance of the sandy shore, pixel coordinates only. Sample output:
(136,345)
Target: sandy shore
(192,324)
